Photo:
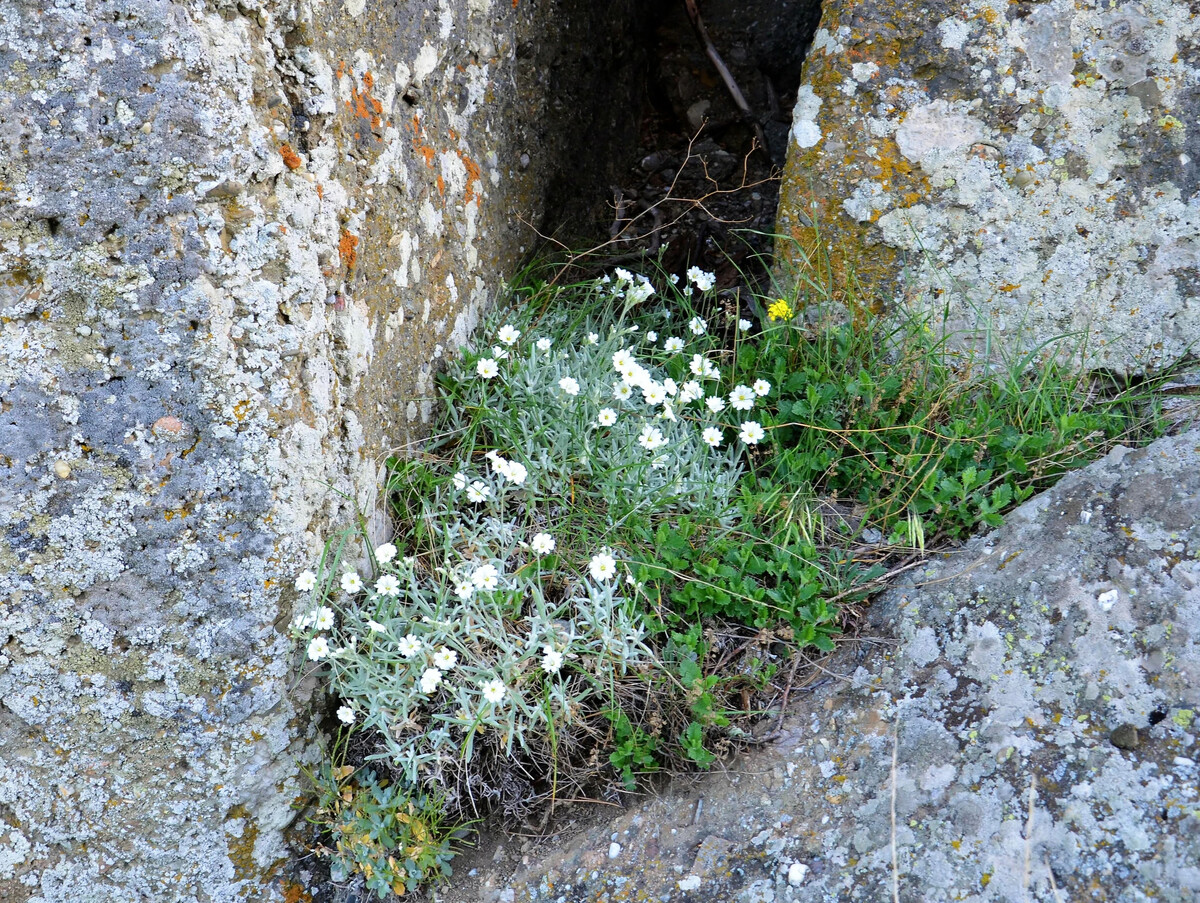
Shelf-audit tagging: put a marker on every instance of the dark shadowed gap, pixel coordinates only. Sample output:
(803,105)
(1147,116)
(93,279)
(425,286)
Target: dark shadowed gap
(639,183)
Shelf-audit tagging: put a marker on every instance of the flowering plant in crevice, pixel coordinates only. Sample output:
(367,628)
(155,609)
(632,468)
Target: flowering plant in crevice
(498,650)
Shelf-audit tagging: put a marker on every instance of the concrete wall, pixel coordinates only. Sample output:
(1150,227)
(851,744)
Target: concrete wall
(234,239)
(1026,166)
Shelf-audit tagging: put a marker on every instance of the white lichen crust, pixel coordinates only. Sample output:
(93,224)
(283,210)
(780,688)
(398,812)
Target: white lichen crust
(234,237)
(1028,171)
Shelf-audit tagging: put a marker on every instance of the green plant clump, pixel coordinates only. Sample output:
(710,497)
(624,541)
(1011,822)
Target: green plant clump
(641,500)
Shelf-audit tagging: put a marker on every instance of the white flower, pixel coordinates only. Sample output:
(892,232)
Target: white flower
(552,660)
(345,715)
(478,492)
(592,338)
(751,432)
(659,461)
(464,590)
(543,543)
(742,398)
(622,391)
(702,280)
(351,582)
(569,385)
(712,436)
(697,326)
(697,365)
(667,413)
(385,553)
(622,360)
(375,626)
(651,438)
(306,581)
(487,368)
(636,375)
(387,585)
(690,392)
(486,577)
(710,370)
(430,678)
(543,344)
(716,404)
(410,646)
(499,352)
(323,618)
(444,658)
(652,336)
(623,275)
(460,480)
(508,334)
(761,387)
(654,393)
(674,343)
(318,648)
(743,325)
(513,471)
(606,417)
(493,691)
(640,292)
(602,567)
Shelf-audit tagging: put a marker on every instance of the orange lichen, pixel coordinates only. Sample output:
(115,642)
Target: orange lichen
(290,157)
(473,176)
(348,249)
(418,145)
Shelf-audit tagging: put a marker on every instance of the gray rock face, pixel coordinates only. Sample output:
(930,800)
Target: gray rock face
(981,749)
(1027,168)
(235,238)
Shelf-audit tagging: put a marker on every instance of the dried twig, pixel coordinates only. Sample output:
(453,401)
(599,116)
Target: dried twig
(731,85)
(661,222)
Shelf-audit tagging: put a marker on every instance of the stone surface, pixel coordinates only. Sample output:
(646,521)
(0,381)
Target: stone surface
(1028,167)
(234,238)
(965,752)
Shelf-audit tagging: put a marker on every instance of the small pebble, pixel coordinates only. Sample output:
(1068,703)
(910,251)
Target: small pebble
(84,331)
(1125,737)
(1107,600)
(797,871)
(614,850)
(691,882)
(62,469)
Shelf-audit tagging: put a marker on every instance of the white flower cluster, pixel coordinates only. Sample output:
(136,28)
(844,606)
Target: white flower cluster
(431,655)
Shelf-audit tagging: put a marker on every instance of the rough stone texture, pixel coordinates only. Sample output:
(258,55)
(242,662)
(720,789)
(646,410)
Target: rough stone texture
(234,237)
(1028,166)
(1014,662)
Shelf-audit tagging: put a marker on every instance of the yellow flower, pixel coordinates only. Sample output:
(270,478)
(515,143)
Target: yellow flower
(780,310)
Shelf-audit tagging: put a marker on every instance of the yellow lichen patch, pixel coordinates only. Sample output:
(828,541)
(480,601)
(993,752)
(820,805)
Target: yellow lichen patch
(241,847)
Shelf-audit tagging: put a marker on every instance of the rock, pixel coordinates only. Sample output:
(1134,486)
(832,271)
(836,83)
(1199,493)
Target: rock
(151,737)
(993,164)
(1125,737)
